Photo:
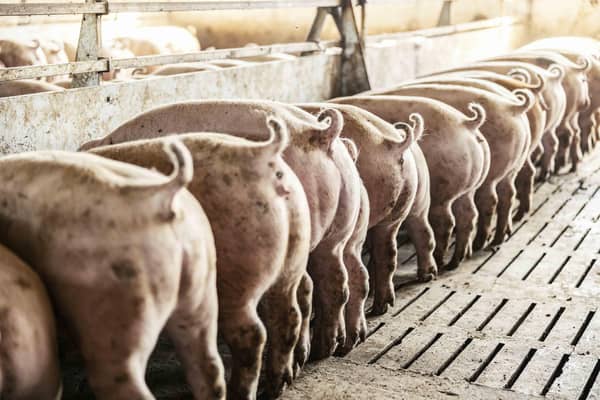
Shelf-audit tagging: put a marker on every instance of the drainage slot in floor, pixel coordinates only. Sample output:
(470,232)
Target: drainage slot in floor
(580,210)
(407,260)
(509,264)
(520,369)
(374,330)
(537,233)
(492,315)
(390,346)
(438,305)
(559,235)
(538,208)
(585,273)
(513,233)
(422,351)
(589,384)
(453,357)
(587,202)
(464,310)
(486,362)
(521,319)
(582,328)
(560,208)
(476,270)
(587,232)
(411,301)
(552,323)
(559,270)
(555,374)
(524,278)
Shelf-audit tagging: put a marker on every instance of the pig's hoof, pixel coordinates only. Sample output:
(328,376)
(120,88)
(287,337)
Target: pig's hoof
(323,348)
(478,243)
(493,247)
(519,215)
(342,351)
(426,277)
(452,265)
(573,169)
(301,353)
(378,309)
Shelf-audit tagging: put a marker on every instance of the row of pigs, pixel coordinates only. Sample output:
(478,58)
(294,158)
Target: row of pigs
(266,241)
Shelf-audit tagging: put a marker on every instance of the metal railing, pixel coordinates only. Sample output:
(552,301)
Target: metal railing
(88,67)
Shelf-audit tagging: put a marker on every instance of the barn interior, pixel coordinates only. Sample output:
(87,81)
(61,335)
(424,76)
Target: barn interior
(517,319)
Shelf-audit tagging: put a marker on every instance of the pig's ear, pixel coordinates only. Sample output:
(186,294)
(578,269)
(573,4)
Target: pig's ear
(351,147)
(34,44)
(335,122)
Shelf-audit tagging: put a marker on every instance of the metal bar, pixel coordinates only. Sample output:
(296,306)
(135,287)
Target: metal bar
(144,61)
(53,8)
(317,26)
(104,7)
(354,77)
(80,67)
(217,5)
(88,47)
(444,18)
(39,71)
(447,30)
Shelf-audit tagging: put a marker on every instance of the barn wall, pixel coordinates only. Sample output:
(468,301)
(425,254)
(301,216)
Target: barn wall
(63,120)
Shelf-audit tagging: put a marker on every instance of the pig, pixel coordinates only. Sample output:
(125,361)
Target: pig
(153,40)
(506,130)
(325,169)
(55,53)
(26,86)
(388,169)
(553,96)
(120,53)
(123,252)
(452,139)
(503,85)
(260,219)
(29,367)
(577,100)
(15,53)
(575,52)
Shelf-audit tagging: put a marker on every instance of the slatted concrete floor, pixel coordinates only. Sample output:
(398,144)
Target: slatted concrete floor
(519,322)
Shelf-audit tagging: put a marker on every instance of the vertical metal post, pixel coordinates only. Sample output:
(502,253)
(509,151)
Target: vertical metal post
(88,47)
(354,77)
(444,19)
(317,25)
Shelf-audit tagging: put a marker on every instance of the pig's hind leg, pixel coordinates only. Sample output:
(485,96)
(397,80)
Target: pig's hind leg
(465,214)
(421,235)
(304,295)
(330,279)
(382,265)
(193,330)
(245,336)
(282,318)
(442,222)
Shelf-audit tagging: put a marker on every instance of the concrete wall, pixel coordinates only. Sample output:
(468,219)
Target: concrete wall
(63,120)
